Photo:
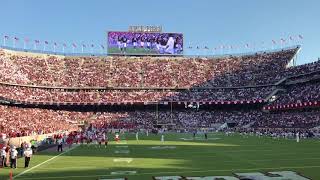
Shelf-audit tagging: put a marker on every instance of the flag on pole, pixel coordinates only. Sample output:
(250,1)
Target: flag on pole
(274,42)
(74,45)
(46,42)
(300,36)
(92,45)
(54,46)
(25,42)
(102,46)
(15,40)
(64,45)
(36,42)
(4,40)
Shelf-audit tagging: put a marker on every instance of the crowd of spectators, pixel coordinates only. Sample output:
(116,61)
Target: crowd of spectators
(299,93)
(18,121)
(305,120)
(102,96)
(151,72)
(117,71)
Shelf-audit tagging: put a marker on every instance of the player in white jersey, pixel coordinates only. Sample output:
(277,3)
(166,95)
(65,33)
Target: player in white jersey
(137,136)
(298,137)
(162,138)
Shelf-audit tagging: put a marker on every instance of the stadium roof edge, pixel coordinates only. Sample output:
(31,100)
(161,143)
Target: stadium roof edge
(50,53)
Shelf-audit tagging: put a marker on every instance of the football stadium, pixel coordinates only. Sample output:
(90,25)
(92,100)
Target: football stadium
(199,90)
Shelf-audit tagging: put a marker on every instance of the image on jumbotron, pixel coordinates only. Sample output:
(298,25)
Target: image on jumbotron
(160,90)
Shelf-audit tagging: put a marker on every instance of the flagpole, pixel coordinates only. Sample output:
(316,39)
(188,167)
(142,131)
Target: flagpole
(4,41)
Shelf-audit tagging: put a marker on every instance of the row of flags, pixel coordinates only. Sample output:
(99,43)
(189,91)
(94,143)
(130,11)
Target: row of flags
(55,45)
(274,42)
(293,105)
(282,42)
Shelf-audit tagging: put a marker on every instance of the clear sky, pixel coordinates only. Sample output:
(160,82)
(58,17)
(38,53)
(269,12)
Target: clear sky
(203,22)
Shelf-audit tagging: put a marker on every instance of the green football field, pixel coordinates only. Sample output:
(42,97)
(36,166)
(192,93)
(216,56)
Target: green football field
(179,155)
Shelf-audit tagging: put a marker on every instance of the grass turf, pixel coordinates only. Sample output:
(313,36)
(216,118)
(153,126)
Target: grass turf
(220,155)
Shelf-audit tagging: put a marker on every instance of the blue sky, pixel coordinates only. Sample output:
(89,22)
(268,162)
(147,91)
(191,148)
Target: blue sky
(203,22)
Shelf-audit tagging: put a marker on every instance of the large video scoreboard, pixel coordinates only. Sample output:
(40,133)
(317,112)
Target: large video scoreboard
(144,43)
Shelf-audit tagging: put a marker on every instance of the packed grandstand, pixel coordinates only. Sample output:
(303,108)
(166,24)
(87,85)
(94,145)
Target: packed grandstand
(263,91)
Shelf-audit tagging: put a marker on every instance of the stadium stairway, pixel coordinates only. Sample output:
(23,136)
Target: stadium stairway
(248,125)
(223,126)
(274,92)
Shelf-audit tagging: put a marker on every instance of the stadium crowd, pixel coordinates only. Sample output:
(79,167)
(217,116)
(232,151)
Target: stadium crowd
(300,93)
(114,71)
(18,69)
(21,121)
(98,96)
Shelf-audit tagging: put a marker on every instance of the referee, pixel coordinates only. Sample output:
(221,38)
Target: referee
(27,156)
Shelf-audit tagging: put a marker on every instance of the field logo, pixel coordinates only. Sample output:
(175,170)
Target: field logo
(163,147)
(128,160)
(123,172)
(281,175)
(122,152)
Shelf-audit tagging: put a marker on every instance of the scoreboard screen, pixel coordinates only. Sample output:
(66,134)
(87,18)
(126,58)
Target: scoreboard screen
(140,43)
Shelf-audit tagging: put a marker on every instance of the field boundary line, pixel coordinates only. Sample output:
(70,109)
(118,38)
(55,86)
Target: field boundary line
(178,172)
(27,170)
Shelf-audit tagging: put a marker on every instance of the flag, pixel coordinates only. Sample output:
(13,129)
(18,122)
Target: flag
(247,45)
(37,41)
(283,40)
(291,38)
(198,47)
(206,47)
(92,45)
(300,36)
(102,46)
(74,45)
(55,44)
(16,39)
(46,42)
(83,45)
(274,42)
(190,47)
(6,37)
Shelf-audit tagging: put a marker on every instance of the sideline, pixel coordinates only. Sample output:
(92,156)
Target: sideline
(179,172)
(23,172)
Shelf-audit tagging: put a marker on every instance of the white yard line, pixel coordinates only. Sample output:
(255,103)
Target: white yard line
(27,170)
(179,172)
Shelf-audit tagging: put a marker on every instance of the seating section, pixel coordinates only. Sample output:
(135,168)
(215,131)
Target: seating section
(26,77)
(159,72)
